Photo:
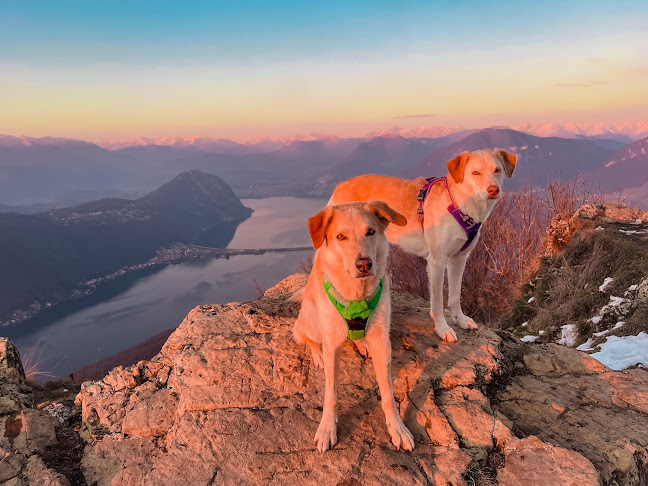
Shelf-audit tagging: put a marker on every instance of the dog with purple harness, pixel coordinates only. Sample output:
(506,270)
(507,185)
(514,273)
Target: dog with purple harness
(444,216)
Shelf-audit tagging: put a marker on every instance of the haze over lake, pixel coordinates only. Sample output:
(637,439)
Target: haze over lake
(138,306)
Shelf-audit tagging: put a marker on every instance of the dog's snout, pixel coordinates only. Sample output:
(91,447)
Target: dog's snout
(363,264)
(493,191)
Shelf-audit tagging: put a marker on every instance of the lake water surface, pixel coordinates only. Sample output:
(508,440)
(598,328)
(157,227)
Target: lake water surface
(140,305)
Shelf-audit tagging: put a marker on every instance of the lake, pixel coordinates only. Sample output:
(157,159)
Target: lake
(137,306)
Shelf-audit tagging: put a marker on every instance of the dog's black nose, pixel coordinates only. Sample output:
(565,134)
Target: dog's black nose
(363,264)
(493,190)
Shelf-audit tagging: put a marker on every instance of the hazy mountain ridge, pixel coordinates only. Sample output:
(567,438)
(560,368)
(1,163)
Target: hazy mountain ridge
(626,168)
(540,158)
(50,171)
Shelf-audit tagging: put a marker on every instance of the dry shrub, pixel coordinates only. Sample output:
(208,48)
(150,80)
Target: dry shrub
(305,265)
(507,253)
(33,362)
(407,272)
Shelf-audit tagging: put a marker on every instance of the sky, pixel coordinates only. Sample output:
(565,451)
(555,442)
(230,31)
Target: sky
(244,69)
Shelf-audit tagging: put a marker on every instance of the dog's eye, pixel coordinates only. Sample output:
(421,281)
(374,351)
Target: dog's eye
(341,237)
(371,231)
(474,172)
(498,170)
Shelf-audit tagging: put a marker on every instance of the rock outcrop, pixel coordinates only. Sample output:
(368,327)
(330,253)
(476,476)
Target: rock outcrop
(25,432)
(231,399)
(563,227)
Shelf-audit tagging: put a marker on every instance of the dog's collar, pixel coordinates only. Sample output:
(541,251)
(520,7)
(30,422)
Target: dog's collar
(356,313)
(470,227)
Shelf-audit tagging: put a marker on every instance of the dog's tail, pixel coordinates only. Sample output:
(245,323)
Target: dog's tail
(298,296)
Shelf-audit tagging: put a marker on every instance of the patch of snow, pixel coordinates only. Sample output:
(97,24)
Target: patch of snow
(603,333)
(632,288)
(633,232)
(525,324)
(614,302)
(528,339)
(541,332)
(530,300)
(596,319)
(586,345)
(569,334)
(606,282)
(599,228)
(620,353)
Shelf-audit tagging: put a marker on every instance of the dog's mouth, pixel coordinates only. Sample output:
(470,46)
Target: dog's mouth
(496,196)
(364,274)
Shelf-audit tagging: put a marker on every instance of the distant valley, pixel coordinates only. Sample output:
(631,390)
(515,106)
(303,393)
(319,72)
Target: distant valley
(46,256)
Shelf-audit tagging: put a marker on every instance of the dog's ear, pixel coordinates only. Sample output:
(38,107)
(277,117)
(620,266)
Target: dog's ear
(318,224)
(509,161)
(457,166)
(386,214)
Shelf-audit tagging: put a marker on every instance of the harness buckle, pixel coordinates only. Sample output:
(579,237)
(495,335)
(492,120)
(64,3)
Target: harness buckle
(468,220)
(419,210)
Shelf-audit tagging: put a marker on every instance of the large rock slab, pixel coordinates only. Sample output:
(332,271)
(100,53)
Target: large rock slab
(231,399)
(566,398)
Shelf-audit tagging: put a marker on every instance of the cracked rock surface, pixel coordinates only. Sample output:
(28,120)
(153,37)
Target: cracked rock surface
(231,399)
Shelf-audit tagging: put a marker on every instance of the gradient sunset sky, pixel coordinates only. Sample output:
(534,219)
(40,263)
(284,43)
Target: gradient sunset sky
(98,69)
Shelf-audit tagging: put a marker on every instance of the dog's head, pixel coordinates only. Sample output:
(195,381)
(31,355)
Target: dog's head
(482,171)
(354,236)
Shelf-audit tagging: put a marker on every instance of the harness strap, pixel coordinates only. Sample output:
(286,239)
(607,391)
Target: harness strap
(470,227)
(356,313)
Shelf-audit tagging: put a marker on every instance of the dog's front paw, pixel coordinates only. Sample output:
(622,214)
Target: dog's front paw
(442,329)
(401,436)
(326,436)
(446,333)
(466,322)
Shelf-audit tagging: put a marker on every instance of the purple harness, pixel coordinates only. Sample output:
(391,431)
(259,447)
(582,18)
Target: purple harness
(466,222)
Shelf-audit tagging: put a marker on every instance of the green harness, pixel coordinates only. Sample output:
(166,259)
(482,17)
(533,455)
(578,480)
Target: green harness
(355,313)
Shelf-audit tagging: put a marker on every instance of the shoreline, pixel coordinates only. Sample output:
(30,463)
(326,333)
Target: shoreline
(172,254)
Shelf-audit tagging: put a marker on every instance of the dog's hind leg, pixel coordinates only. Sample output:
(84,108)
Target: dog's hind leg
(326,435)
(436,274)
(456,266)
(380,349)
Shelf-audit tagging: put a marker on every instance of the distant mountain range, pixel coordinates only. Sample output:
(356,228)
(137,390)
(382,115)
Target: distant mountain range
(625,132)
(37,173)
(46,256)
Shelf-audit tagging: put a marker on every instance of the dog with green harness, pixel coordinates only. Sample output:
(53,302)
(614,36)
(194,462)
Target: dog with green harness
(347,298)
